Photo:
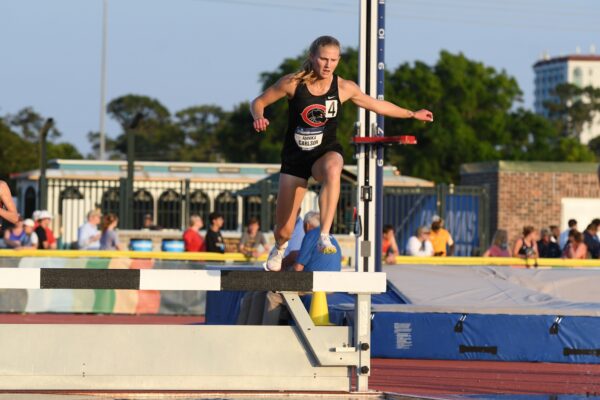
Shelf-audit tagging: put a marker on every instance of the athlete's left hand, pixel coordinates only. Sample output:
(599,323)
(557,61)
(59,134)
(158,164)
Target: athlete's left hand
(424,115)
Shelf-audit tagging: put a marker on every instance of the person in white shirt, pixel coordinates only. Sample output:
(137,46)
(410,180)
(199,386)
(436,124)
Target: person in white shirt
(88,235)
(564,236)
(419,245)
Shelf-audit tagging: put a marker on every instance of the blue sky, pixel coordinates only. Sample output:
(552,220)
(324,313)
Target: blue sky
(190,52)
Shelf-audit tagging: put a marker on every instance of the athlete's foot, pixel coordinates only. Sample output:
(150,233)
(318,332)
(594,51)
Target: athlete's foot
(275,258)
(324,245)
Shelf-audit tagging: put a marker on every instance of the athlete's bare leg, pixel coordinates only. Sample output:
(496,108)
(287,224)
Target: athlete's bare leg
(289,200)
(327,170)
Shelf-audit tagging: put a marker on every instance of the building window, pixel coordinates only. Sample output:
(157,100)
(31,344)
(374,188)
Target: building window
(226,204)
(110,202)
(143,203)
(169,210)
(578,77)
(200,205)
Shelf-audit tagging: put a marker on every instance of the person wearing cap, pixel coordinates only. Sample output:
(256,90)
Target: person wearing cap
(88,235)
(419,245)
(546,247)
(41,231)
(30,238)
(440,238)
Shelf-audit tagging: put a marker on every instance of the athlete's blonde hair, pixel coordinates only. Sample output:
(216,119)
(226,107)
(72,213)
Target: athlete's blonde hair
(307,72)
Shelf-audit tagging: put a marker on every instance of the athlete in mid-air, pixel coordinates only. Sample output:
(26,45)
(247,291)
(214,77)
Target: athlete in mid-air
(315,95)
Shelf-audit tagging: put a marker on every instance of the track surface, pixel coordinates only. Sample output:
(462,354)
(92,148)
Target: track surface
(414,377)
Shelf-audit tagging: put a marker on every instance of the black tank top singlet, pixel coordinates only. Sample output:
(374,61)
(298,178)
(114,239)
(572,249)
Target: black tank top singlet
(526,250)
(312,121)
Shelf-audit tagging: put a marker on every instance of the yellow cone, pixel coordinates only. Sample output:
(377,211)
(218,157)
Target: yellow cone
(319,312)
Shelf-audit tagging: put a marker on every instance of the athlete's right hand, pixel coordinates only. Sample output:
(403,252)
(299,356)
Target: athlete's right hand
(260,124)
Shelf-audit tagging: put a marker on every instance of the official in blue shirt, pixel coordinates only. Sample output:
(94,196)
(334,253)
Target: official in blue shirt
(310,259)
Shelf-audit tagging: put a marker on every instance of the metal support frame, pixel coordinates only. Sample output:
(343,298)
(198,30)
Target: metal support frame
(303,357)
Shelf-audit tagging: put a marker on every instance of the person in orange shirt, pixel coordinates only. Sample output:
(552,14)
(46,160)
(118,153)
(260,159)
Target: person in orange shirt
(389,247)
(440,238)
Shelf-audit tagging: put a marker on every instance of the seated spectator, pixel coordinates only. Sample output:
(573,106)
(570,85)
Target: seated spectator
(564,236)
(590,239)
(88,234)
(575,247)
(499,247)
(42,230)
(310,259)
(14,235)
(389,247)
(149,223)
(555,234)
(214,238)
(546,247)
(52,243)
(110,237)
(253,242)
(526,246)
(419,245)
(30,239)
(440,238)
(596,221)
(8,210)
(192,238)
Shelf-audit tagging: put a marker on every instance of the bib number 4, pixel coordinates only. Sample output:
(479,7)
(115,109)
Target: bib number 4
(331,108)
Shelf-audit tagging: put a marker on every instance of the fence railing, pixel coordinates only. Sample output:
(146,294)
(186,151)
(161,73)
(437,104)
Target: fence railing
(168,204)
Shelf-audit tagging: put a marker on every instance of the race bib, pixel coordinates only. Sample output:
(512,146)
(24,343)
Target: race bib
(308,138)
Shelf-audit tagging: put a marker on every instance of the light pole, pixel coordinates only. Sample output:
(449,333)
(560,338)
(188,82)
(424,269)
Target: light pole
(102,155)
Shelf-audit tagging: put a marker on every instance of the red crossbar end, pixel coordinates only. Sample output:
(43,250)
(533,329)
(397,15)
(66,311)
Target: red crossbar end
(408,139)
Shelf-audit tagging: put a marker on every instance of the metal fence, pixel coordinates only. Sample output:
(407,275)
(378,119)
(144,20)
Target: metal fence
(170,203)
(464,209)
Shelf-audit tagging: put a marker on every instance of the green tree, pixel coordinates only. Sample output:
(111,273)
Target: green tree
(156,137)
(573,107)
(201,126)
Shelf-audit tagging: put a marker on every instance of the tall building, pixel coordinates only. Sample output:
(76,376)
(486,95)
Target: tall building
(579,69)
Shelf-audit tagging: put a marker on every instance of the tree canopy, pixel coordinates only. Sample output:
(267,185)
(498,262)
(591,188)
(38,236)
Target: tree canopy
(478,116)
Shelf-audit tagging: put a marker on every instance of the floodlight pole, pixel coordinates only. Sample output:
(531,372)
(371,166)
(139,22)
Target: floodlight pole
(43,182)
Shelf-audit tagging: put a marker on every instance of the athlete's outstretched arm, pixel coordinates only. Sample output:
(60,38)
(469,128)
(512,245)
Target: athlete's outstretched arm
(283,87)
(382,107)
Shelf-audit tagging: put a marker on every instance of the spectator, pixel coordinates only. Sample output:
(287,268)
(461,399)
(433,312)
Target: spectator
(419,245)
(42,230)
(590,239)
(440,238)
(88,235)
(575,247)
(30,239)
(52,243)
(8,210)
(546,247)
(389,247)
(555,234)
(310,259)
(192,238)
(110,237)
(149,223)
(526,246)
(214,238)
(596,221)
(14,235)
(564,236)
(253,242)
(499,247)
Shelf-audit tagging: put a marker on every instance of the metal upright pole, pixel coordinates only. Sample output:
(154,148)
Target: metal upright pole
(131,168)
(102,152)
(380,132)
(43,183)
